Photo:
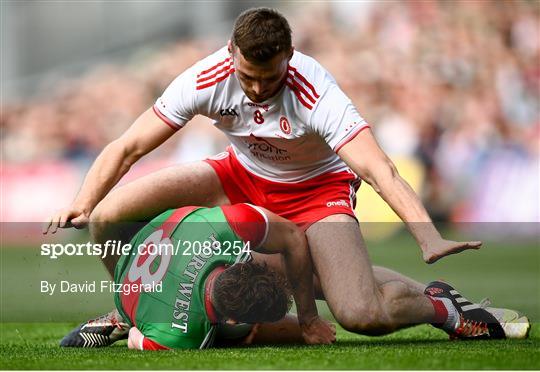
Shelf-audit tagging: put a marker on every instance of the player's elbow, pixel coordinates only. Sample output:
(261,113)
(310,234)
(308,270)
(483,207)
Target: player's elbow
(128,153)
(381,174)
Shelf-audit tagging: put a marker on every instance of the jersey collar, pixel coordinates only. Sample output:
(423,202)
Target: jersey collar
(208,287)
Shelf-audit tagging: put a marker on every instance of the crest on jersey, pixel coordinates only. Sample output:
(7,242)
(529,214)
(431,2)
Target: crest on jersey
(284,125)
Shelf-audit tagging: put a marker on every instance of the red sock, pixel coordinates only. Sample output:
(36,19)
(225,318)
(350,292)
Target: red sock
(441,313)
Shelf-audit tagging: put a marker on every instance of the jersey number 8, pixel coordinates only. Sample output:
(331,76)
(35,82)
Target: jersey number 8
(154,247)
(258,117)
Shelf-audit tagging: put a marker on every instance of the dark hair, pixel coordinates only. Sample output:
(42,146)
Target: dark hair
(261,34)
(251,293)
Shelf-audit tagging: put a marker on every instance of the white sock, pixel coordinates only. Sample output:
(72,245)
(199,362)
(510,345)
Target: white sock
(452,322)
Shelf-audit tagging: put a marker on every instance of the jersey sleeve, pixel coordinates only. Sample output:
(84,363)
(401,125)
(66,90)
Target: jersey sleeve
(336,119)
(177,104)
(148,344)
(249,222)
(164,339)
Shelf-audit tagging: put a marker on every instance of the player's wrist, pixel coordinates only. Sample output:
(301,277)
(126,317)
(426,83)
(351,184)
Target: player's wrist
(306,321)
(83,206)
(307,311)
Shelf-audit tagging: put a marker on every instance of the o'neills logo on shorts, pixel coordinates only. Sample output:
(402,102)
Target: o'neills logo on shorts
(337,203)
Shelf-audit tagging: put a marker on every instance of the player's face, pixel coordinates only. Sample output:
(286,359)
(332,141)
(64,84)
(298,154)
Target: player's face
(260,81)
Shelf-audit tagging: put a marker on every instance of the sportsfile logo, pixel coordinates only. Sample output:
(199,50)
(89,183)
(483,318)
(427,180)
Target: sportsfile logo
(337,203)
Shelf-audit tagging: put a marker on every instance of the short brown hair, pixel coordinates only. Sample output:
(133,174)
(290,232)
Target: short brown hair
(261,34)
(251,293)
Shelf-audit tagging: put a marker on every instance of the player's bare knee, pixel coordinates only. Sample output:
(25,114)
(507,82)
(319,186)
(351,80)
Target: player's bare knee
(95,227)
(393,294)
(100,220)
(367,319)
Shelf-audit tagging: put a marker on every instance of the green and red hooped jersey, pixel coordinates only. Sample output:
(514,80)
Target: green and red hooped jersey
(178,316)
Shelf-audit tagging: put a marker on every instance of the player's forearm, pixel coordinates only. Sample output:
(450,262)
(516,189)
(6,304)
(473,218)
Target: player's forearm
(300,275)
(286,238)
(109,167)
(405,202)
(284,331)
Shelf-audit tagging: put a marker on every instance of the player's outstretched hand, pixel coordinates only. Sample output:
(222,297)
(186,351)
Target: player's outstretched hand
(65,218)
(251,336)
(442,248)
(318,331)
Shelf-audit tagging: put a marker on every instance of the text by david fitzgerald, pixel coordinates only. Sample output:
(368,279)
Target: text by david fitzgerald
(95,286)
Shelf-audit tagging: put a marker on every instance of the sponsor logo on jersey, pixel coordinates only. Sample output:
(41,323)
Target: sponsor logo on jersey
(265,107)
(263,149)
(228,112)
(338,203)
(284,125)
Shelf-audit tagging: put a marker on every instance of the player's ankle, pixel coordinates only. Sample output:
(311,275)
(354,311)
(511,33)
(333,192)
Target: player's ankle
(446,315)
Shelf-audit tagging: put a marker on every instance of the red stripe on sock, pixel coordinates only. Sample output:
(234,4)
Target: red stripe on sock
(441,314)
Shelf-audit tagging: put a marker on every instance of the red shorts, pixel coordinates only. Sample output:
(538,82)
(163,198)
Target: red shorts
(304,203)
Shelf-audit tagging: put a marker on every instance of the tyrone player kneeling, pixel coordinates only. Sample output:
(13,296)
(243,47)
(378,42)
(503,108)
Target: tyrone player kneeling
(207,289)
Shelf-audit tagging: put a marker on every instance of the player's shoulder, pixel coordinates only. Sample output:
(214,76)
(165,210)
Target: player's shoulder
(308,79)
(208,69)
(306,64)
(249,222)
(212,69)
(243,212)
(309,68)
(235,213)
(219,58)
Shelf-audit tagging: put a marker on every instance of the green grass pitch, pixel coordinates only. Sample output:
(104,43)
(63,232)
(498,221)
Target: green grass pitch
(33,323)
(34,346)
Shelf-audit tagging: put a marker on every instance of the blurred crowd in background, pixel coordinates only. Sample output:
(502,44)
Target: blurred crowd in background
(453,85)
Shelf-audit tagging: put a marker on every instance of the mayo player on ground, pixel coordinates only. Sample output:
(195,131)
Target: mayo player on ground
(298,146)
(205,263)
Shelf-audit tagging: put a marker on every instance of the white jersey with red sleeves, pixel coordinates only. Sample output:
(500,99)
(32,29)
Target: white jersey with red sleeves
(291,137)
